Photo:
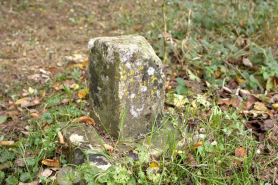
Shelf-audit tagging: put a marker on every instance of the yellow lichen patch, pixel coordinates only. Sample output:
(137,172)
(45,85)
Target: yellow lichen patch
(131,80)
(124,77)
(142,67)
(153,78)
(131,72)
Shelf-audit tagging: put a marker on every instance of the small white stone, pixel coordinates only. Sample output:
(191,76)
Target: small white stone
(143,88)
(150,71)
(214,143)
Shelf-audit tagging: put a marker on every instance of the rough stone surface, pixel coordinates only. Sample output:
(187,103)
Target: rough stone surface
(125,74)
(83,139)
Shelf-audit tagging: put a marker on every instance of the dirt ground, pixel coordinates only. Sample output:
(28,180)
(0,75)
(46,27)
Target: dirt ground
(39,34)
(38,37)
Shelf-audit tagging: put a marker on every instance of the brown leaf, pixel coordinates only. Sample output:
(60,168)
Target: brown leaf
(35,115)
(137,28)
(20,162)
(61,138)
(86,119)
(51,162)
(260,107)
(33,102)
(108,147)
(29,183)
(46,173)
(240,152)
(18,102)
(83,93)
(57,86)
(274,99)
(234,101)
(43,95)
(200,143)
(190,160)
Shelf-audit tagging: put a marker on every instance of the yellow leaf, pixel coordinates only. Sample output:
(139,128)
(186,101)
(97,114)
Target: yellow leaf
(239,80)
(51,162)
(275,105)
(20,100)
(260,107)
(200,143)
(154,164)
(6,143)
(83,93)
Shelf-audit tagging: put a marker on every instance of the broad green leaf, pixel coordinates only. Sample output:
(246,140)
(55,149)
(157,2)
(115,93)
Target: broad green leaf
(181,89)
(47,117)
(193,76)
(3,119)
(180,81)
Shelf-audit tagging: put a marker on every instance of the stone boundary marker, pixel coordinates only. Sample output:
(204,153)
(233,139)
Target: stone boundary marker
(125,75)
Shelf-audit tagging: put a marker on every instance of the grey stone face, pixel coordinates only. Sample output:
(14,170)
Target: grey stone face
(125,74)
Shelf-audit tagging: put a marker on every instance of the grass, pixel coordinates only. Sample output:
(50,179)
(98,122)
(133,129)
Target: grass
(205,40)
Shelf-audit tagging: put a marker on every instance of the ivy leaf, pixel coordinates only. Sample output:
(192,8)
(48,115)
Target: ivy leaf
(3,119)
(181,89)
(180,81)
(47,117)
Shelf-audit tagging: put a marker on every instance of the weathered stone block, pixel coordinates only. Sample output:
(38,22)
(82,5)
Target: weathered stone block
(125,74)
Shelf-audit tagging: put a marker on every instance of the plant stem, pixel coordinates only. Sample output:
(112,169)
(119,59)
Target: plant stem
(165,32)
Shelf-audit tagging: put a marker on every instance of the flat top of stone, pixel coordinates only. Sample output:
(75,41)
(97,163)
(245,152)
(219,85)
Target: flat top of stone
(126,45)
(120,40)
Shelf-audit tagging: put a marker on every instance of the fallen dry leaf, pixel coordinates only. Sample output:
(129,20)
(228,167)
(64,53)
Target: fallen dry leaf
(35,115)
(190,160)
(83,93)
(234,101)
(260,107)
(61,138)
(29,183)
(108,147)
(51,162)
(18,102)
(247,62)
(153,164)
(43,95)
(33,102)
(57,86)
(240,152)
(86,119)
(137,28)
(46,173)
(200,143)
(239,80)
(6,143)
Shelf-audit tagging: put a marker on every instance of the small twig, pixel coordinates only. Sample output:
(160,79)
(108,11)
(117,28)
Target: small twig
(235,69)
